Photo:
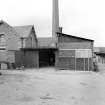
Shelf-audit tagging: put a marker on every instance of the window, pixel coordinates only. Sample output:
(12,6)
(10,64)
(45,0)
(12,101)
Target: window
(3,55)
(22,42)
(2,41)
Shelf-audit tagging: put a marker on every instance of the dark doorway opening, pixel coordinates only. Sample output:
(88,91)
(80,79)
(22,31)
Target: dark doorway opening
(46,58)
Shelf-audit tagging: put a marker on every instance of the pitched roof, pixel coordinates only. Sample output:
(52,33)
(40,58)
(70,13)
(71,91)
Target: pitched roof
(46,42)
(10,28)
(99,50)
(75,37)
(23,31)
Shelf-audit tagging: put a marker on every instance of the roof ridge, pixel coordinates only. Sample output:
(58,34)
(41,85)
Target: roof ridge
(74,36)
(24,31)
(23,26)
(45,37)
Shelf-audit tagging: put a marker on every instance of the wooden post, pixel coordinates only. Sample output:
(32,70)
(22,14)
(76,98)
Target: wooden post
(88,64)
(38,59)
(75,64)
(84,63)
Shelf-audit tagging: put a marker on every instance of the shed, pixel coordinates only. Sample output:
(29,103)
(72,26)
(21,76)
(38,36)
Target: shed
(74,53)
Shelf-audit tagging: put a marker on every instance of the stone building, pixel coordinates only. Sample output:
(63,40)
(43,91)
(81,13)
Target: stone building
(12,40)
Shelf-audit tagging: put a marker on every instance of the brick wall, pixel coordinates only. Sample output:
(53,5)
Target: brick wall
(11,56)
(31,59)
(3,56)
(27,58)
(76,45)
(67,58)
(10,35)
(66,63)
(31,41)
(69,61)
(18,58)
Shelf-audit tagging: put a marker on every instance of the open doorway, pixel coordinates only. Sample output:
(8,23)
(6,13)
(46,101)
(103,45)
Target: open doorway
(46,58)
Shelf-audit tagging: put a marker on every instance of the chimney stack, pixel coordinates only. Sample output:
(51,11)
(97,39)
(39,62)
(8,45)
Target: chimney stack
(55,19)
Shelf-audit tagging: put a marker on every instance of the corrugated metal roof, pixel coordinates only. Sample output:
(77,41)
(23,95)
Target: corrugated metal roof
(44,42)
(23,31)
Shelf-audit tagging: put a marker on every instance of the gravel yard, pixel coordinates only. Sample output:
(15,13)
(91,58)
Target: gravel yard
(50,87)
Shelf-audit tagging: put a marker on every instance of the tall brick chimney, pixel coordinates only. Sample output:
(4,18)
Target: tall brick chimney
(55,20)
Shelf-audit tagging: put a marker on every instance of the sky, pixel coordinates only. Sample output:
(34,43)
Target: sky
(83,18)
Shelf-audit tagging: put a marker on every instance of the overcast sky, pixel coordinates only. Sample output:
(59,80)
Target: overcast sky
(84,18)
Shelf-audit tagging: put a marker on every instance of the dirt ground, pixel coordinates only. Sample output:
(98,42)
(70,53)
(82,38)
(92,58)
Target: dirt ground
(50,87)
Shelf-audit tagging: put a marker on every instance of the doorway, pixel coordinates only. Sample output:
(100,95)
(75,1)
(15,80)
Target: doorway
(46,58)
